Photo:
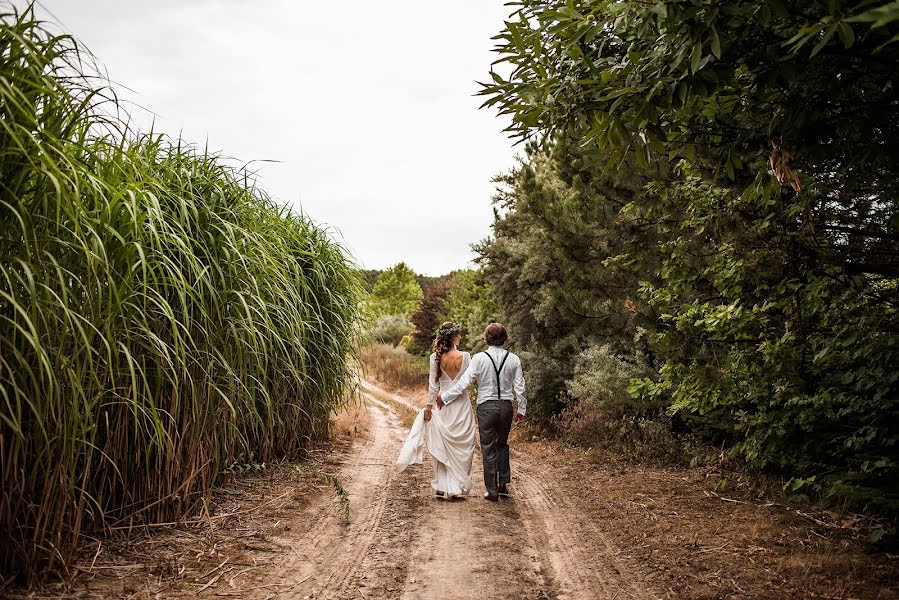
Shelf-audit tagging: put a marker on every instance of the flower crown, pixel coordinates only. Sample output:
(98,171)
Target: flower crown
(445,332)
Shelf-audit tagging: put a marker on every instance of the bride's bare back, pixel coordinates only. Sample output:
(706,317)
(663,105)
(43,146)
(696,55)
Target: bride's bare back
(451,363)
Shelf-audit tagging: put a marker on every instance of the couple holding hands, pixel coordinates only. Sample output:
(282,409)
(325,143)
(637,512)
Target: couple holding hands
(449,431)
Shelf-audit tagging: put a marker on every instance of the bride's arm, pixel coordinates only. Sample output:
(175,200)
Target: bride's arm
(433,387)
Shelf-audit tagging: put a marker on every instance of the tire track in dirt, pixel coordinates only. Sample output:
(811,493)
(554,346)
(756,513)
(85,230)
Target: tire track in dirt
(401,542)
(584,561)
(536,545)
(469,549)
(342,551)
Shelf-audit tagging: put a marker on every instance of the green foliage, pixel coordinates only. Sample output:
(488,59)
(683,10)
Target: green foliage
(761,271)
(600,412)
(790,361)
(660,77)
(758,346)
(390,329)
(792,92)
(470,303)
(563,265)
(462,297)
(160,318)
(396,292)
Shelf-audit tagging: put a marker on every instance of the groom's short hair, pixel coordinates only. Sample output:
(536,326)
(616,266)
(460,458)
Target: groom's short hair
(495,334)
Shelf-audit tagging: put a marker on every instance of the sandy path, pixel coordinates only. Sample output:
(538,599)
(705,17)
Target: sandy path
(397,540)
(576,528)
(400,542)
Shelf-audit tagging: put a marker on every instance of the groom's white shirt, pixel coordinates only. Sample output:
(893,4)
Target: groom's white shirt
(481,370)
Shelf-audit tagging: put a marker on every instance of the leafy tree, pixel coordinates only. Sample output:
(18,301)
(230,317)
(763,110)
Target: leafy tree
(470,303)
(764,264)
(462,297)
(795,92)
(396,292)
(427,318)
(565,266)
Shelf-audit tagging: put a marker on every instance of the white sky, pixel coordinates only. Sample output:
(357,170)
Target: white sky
(368,105)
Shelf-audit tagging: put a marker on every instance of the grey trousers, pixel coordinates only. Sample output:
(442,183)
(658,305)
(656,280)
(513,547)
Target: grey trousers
(494,423)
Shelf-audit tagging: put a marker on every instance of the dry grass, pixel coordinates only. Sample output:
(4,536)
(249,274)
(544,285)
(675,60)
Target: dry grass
(395,369)
(696,542)
(229,543)
(350,420)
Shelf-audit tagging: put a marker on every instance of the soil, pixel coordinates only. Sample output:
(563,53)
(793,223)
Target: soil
(346,525)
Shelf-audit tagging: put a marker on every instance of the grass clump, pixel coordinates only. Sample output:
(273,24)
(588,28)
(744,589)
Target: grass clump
(393,367)
(160,318)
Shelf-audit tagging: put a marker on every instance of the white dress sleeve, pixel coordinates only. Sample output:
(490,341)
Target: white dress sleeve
(433,386)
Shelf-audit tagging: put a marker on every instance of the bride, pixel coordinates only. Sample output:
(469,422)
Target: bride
(448,432)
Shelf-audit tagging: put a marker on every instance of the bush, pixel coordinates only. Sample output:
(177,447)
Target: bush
(390,329)
(393,367)
(599,411)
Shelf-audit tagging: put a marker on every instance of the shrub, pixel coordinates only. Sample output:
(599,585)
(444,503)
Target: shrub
(390,329)
(394,368)
(600,412)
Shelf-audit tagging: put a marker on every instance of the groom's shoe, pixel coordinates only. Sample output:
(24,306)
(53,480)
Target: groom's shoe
(503,490)
(488,496)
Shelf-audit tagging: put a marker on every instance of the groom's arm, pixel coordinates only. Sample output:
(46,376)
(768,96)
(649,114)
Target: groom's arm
(519,389)
(467,378)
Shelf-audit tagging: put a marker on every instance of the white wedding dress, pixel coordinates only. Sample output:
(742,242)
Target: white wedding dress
(449,436)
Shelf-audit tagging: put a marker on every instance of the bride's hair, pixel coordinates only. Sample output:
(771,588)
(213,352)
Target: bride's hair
(443,342)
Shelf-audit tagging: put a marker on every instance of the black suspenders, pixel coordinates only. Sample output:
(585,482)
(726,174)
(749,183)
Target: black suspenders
(497,371)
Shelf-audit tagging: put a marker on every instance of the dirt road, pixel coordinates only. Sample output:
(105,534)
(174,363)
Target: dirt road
(384,536)
(401,542)
(346,525)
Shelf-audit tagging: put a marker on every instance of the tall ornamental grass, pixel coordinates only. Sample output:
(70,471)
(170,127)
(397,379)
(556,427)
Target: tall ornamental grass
(160,318)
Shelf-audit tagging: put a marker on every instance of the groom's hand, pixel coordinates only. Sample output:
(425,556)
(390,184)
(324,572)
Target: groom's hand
(519,418)
(440,403)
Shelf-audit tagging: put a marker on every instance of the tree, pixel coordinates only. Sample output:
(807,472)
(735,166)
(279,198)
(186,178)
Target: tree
(427,318)
(794,93)
(470,303)
(764,263)
(396,292)
(565,263)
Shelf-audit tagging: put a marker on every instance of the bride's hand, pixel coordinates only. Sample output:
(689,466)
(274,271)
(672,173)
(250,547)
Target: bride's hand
(427,413)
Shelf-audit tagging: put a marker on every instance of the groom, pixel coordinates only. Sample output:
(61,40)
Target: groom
(499,378)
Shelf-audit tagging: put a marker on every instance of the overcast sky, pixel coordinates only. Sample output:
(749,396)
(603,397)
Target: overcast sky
(367,105)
